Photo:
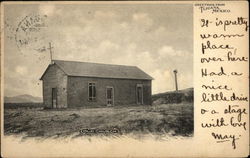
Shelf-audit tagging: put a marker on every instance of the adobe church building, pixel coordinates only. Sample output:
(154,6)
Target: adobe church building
(76,84)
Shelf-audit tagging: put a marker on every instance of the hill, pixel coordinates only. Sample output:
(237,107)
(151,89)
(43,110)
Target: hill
(185,95)
(23,99)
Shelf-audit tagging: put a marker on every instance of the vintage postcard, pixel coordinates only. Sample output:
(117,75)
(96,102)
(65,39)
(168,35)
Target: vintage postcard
(125,79)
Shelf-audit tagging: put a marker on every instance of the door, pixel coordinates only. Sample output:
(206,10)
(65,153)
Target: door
(139,94)
(54,98)
(110,96)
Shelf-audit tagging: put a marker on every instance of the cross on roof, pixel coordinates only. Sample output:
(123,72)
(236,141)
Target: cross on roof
(50,50)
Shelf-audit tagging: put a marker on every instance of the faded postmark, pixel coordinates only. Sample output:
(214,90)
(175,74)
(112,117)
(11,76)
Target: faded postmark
(30,33)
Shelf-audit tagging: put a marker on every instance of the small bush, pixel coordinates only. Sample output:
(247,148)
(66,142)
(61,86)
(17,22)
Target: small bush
(174,97)
(23,105)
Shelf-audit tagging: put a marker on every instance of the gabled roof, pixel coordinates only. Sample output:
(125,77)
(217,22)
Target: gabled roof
(86,69)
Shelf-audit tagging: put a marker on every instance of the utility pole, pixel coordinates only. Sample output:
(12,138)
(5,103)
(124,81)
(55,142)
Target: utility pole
(176,84)
(50,51)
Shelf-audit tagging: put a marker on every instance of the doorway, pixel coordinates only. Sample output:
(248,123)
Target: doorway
(139,94)
(54,98)
(110,96)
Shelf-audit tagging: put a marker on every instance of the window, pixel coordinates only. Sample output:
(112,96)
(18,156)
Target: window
(92,91)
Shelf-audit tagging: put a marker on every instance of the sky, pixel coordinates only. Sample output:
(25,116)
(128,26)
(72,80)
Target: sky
(157,38)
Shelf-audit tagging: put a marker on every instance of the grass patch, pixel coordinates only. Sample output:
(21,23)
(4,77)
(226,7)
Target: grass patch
(174,119)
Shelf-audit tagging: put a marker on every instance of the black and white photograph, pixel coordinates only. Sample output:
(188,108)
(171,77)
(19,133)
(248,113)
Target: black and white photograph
(103,70)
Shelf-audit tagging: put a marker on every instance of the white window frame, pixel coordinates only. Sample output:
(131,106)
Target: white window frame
(93,98)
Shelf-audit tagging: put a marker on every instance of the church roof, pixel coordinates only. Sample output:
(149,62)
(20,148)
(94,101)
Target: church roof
(87,69)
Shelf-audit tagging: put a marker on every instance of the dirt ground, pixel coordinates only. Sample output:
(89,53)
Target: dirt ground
(173,119)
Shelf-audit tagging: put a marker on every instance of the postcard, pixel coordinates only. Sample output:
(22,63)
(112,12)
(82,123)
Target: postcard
(125,79)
